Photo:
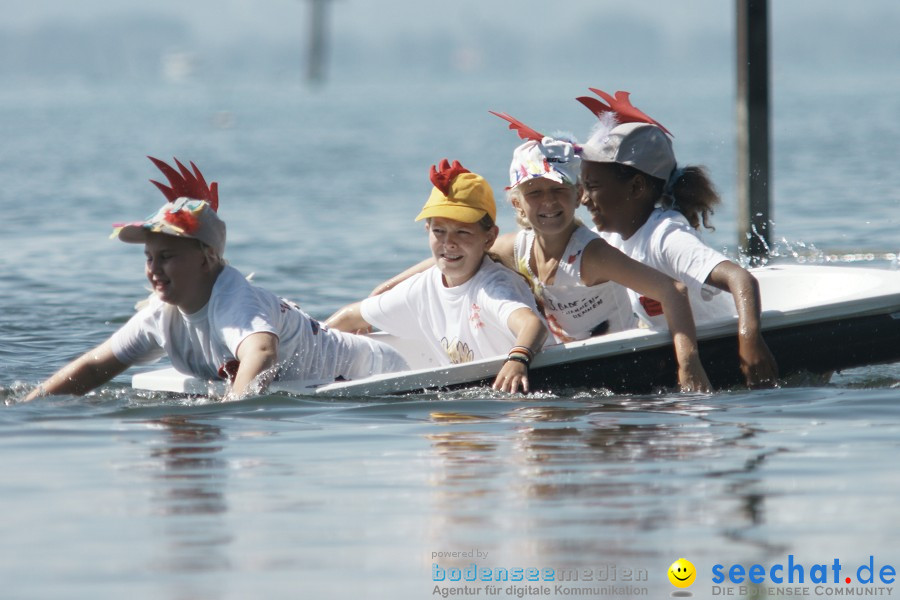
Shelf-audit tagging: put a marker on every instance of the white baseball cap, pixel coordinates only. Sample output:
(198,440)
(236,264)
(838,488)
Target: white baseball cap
(550,158)
(184,217)
(191,210)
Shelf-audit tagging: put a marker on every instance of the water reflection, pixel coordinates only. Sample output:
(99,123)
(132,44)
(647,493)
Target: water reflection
(191,496)
(594,479)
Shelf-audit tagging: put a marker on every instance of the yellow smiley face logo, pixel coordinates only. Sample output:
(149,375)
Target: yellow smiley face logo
(682,573)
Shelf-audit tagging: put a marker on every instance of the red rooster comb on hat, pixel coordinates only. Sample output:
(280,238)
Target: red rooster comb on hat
(525,132)
(443,175)
(185,184)
(620,106)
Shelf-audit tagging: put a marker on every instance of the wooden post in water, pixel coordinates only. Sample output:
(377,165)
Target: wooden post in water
(753,127)
(315,60)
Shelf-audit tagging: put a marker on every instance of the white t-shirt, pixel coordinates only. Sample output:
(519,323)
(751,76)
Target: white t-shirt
(669,244)
(574,310)
(460,324)
(202,342)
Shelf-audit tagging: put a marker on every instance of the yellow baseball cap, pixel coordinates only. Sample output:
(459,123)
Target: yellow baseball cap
(458,194)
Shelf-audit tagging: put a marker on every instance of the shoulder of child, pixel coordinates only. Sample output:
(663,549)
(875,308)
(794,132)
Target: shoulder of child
(505,242)
(662,223)
(231,284)
(498,281)
(595,249)
(414,284)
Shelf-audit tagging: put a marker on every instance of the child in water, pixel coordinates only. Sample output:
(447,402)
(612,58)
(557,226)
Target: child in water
(208,319)
(466,307)
(649,208)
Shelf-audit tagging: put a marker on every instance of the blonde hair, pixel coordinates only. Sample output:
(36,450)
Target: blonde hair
(212,255)
(516,193)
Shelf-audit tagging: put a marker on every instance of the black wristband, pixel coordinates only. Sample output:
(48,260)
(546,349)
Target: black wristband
(519,359)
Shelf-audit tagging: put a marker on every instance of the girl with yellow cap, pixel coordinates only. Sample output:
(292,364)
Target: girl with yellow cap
(466,307)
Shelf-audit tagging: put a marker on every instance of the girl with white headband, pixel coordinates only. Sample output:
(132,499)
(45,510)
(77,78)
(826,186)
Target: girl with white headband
(644,204)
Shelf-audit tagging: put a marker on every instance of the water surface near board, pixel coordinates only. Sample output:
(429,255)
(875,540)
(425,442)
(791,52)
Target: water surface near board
(123,493)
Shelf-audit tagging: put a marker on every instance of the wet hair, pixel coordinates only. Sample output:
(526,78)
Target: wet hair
(693,194)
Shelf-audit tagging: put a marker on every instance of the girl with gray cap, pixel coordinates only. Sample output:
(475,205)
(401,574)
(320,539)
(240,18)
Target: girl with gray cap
(648,207)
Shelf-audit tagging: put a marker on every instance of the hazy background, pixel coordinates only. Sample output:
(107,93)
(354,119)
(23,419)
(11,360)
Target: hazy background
(408,82)
(47,41)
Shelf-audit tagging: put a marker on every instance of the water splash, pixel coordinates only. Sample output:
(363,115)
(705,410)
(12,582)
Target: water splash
(800,252)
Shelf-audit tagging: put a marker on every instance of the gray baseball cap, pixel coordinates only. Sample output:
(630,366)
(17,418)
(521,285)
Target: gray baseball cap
(640,145)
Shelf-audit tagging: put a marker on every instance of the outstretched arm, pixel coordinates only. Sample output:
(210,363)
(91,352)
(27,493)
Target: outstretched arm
(257,353)
(503,247)
(530,333)
(603,262)
(757,362)
(349,319)
(390,283)
(91,369)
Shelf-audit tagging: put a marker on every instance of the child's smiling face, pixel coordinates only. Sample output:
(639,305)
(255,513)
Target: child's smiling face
(604,195)
(458,247)
(549,206)
(178,270)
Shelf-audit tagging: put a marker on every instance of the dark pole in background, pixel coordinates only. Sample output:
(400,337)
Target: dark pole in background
(315,65)
(753,127)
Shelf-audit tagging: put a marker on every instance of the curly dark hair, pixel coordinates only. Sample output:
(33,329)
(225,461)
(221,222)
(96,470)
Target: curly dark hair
(693,194)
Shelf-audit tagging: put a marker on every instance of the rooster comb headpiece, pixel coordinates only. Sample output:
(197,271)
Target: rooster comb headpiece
(443,174)
(186,184)
(458,194)
(619,108)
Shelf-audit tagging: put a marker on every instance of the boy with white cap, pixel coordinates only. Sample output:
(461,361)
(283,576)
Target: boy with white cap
(466,307)
(208,319)
(646,206)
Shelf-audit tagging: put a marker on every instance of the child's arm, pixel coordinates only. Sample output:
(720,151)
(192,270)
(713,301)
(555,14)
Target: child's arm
(503,247)
(530,334)
(757,362)
(390,283)
(349,319)
(257,353)
(603,262)
(91,369)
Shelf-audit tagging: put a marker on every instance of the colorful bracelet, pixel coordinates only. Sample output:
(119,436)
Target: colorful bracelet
(520,354)
(524,349)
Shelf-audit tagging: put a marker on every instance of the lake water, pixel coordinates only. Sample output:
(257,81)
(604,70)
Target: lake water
(131,494)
